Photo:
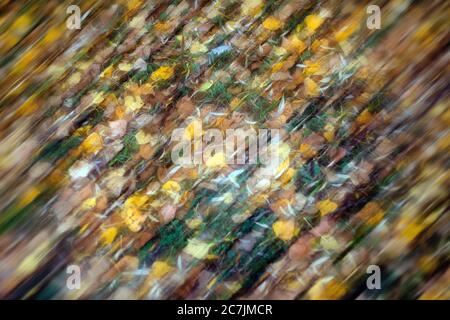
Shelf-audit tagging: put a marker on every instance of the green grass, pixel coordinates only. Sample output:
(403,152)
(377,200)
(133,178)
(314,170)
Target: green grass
(130,147)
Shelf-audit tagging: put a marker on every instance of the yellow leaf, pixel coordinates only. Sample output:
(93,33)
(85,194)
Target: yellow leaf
(326,206)
(28,107)
(211,257)
(22,23)
(217,160)
(287,176)
(83,65)
(108,235)
(311,68)
(160,269)
(311,88)
(428,263)
(53,34)
(98,98)
(205,86)
(295,44)
(27,59)
(313,22)
(74,78)
(125,66)
(277,67)
(376,218)
(329,243)
(194,223)
(89,203)
(411,231)
(252,7)
(329,135)
(272,24)
(92,144)
(197,248)
(146,88)
(319,43)
(285,229)
(119,112)
(171,187)
(162,73)
(142,137)
(260,199)
(283,150)
(133,4)
(235,103)
(83,228)
(189,132)
(364,118)
(198,47)
(133,218)
(329,132)
(283,166)
(34,258)
(107,73)
(345,32)
(29,196)
(162,27)
(327,289)
(423,31)
(280,51)
(133,103)
(307,150)
(137,200)
(227,198)
(81,131)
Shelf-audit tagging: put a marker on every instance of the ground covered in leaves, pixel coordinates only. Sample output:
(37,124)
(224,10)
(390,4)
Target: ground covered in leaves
(87,179)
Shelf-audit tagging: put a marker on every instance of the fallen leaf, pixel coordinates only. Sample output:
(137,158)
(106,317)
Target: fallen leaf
(133,103)
(142,137)
(160,269)
(285,229)
(108,235)
(92,144)
(313,22)
(311,88)
(197,248)
(326,206)
(162,73)
(272,24)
